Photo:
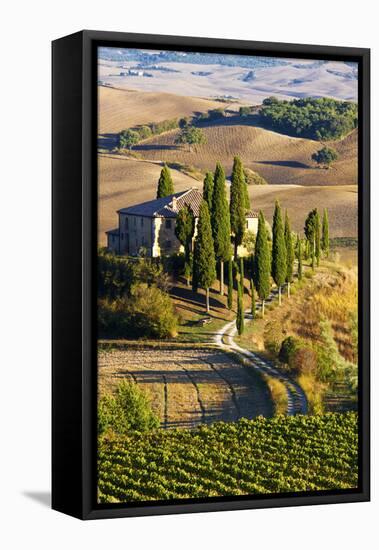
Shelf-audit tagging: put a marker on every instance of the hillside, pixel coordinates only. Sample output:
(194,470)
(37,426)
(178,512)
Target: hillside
(340,201)
(124,182)
(280,159)
(120,109)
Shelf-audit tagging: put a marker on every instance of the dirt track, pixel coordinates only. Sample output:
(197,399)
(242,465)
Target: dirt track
(188,387)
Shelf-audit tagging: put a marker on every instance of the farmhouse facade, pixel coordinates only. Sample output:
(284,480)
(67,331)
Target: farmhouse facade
(150,226)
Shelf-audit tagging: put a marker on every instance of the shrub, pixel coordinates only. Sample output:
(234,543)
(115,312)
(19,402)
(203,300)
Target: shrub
(127,410)
(253,178)
(245,110)
(152,312)
(287,349)
(164,126)
(116,275)
(144,132)
(273,336)
(148,312)
(304,361)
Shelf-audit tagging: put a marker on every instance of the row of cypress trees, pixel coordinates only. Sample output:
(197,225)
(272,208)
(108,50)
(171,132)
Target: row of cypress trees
(278,262)
(218,222)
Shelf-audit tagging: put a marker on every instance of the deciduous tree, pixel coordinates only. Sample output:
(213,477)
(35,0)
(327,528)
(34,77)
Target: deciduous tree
(192,136)
(127,139)
(325,156)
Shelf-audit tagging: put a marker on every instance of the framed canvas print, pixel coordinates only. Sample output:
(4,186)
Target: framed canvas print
(210,274)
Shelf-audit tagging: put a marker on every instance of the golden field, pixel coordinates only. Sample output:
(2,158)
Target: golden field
(282,160)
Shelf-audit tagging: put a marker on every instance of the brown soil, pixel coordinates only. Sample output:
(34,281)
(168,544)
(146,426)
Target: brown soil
(188,387)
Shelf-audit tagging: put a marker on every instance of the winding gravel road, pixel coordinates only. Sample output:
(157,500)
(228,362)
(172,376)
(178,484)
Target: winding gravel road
(297,401)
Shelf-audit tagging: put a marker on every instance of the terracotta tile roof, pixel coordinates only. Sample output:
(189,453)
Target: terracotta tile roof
(167,207)
(252,214)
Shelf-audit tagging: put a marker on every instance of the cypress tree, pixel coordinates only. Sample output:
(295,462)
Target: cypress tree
(184,230)
(290,254)
(325,233)
(237,204)
(312,234)
(246,198)
(220,219)
(208,189)
(242,275)
(252,298)
(230,283)
(204,261)
(165,183)
(278,264)
(262,262)
(299,254)
(240,321)
(317,238)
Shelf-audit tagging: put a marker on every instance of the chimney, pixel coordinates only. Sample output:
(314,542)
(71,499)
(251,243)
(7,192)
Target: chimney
(174,204)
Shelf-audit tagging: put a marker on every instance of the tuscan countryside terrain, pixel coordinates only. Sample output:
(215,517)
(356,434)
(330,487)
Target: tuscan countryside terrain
(228,366)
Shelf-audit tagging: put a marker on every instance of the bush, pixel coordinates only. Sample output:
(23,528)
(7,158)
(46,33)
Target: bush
(127,410)
(245,110)
(152,313)
(253,178)
(304,361)
(164,126)
(287,349)
(116,275)
(148,312)
(273,336)
(144,132)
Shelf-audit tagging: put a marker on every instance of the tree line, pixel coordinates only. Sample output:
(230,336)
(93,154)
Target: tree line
(316,118)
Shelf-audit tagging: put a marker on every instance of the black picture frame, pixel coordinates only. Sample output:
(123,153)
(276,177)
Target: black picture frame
(74,229)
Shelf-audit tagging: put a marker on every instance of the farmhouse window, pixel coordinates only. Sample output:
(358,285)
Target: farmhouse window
(168,224)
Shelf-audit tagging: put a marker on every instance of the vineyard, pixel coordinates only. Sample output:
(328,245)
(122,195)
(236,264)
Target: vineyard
(282,454)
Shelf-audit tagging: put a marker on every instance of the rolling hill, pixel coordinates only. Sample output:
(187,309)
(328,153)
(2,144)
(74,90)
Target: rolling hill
(120,109)
(280,159)
(124,182)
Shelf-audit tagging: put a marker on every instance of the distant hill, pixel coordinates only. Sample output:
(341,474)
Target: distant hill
(280,159)
(120,109)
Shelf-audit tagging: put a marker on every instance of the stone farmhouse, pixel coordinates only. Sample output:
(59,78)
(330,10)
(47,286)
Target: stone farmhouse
(150,226)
